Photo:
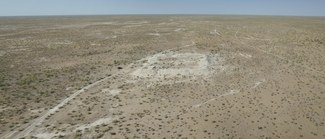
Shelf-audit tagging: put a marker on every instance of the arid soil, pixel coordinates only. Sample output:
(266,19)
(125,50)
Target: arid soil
(162,77)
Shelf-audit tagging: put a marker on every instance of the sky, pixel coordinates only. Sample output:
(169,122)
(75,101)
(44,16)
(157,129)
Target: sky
(112,7)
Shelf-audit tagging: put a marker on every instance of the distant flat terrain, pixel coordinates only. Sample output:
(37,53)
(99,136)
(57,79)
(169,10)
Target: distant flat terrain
(162,76)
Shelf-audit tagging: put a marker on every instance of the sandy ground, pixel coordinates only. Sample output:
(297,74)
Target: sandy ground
(174,77)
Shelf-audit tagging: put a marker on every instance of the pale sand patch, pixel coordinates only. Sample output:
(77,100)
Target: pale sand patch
(65,42)
(245,55)
(179,29)
(37,110)
(171,64)
(154,34)
(111,37)
(68,88)
(47,135)
(95,44)
(101,121)
(131,26)
(4,108)
(113,92)
(215,32)
(258,83)
(135,22)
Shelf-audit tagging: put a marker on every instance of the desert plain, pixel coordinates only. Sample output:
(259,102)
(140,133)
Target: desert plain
(162,76)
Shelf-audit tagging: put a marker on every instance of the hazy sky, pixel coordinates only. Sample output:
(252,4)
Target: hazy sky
(90,7)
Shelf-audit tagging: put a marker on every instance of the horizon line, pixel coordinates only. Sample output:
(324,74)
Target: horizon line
(160,14)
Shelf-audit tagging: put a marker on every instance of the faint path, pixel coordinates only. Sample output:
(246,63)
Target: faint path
(285,59)
(281,57)
(39,120)
(231,92)
(184,111)
(258,83)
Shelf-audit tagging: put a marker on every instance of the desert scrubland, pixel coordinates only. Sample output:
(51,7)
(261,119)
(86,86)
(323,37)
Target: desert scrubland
(162,77)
